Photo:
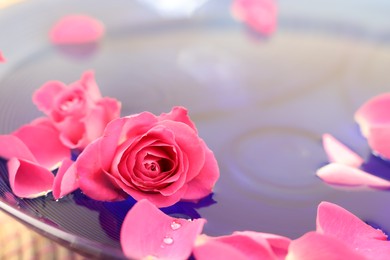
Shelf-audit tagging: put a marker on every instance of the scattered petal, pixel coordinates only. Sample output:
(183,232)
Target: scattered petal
(378,140)
(242,245)
(374,112)
(44,143)
(348,227)
(65,181)
(260,15)
(28,179)
(208,248)
(339,153)
(147,232)
(2,58)
(315,246)
(76,29)
(278,244)
(334,221)
(374,121)
(340,174)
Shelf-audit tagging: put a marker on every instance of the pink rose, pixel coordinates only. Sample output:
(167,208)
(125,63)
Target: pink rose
(159,158)
(78,111)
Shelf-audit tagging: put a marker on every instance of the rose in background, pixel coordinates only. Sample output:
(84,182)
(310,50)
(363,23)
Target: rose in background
(158,158)
(78,110)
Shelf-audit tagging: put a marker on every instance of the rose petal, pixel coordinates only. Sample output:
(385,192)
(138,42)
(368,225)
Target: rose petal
(278,244)
(105,111)
(374,112)
(190,144)
(121,130)
(12,146)
(341,174)
(374,121)
(28,179)
(90,86)
(378,137)
(178,114)
(2,58)
(44,97)
(65,180)
(245,245)
(44,142)
(260,15)
(93,180)
(203,183)
(157,199)
(73,133)
(335,221)
(76,29)
(315,246)
(339,153)
(147,232)
(207,248)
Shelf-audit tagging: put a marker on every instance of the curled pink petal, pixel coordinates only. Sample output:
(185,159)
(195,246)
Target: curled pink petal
(374,121)
(179,114)
(334,221)
(2,58)
(44,97)
(315,246)
(374,112)
(12,146)
(76,29)
(44,143)
(341,174)
(88,82)
(378,139)
(65,181)
(260,15)
(28,179)
(148,232)
(339,153)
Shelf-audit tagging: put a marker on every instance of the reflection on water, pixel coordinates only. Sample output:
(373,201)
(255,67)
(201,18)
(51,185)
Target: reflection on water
(174,8)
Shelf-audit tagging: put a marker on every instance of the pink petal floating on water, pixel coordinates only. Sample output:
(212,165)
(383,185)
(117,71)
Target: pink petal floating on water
(2,58)
(242,245)
(148,232)
(28,179)
(341,174)
(374,112)
(76,29)
(315,246)
(260,15)
(378,140)
(65,181)
(348,227)
(374,121)
(208,248)
(334,221)
(279,244)
(44,143)
(339,153)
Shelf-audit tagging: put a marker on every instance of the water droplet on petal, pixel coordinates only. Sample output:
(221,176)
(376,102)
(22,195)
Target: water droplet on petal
(175,225)
(168,240)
